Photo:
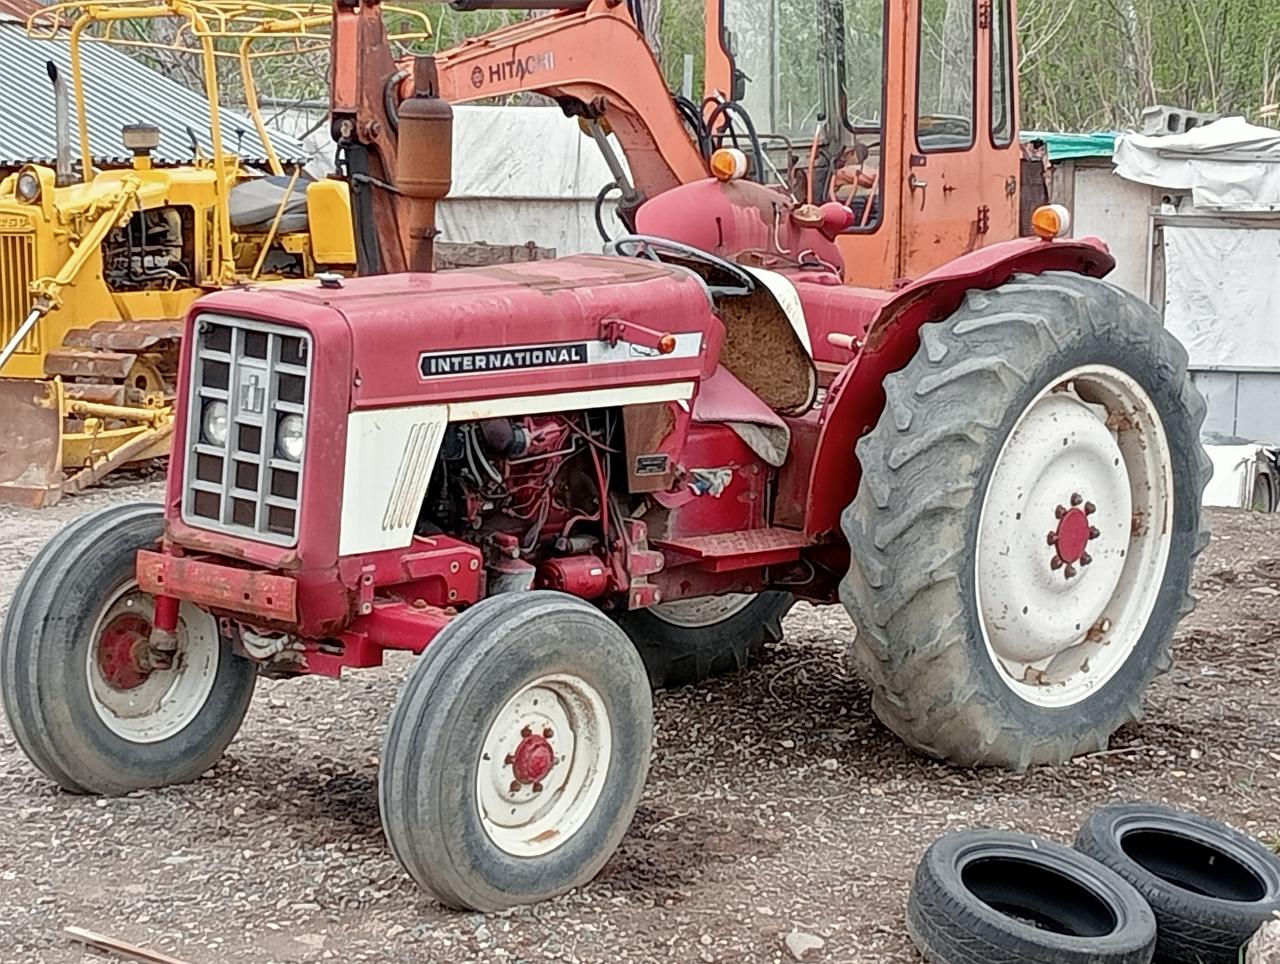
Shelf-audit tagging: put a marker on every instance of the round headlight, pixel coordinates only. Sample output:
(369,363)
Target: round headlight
(213,423)
(289,438)
(28,187)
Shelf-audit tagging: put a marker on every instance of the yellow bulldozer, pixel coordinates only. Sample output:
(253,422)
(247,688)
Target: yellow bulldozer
(100,260)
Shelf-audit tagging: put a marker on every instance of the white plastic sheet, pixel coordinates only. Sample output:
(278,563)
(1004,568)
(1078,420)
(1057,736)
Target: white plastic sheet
(520,174)
(1229,165)
(1222,295)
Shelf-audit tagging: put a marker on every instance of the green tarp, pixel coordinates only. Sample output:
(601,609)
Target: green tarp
(1065,147)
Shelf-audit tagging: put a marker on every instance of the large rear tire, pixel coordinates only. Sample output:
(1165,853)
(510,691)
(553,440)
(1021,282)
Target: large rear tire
(516,753)
(85,703)
(687,641)
(1028,519)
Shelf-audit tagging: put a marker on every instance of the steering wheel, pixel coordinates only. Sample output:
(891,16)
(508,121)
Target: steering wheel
(653,248)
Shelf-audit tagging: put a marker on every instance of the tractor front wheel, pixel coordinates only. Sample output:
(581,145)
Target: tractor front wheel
(88,702)
(1027,523)
(516,752)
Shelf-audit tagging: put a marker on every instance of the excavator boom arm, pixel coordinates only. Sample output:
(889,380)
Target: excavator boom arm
(591,59)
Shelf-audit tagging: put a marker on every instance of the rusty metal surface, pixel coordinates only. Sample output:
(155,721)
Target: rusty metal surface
(78,363)
(30,442)
(214,586)
(453,254)
(97,394)
(126,336)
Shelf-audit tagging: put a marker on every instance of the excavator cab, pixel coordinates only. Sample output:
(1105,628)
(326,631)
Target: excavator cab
(818,78)
(904,112)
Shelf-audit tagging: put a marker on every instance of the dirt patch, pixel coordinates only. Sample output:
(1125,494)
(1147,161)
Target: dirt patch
(776,801)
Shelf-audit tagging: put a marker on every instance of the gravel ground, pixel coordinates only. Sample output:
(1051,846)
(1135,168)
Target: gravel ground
(776,803)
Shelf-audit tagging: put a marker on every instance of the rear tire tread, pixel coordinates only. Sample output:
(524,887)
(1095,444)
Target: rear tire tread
(906,529)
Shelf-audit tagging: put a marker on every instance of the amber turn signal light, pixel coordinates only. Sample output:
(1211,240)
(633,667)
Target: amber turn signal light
(1051,221)
(728,164)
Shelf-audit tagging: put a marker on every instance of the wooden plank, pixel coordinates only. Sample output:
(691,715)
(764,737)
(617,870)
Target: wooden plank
(452,254)
(113,945)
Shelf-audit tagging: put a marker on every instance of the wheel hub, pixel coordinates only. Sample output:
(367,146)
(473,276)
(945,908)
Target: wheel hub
(122,652)
(534,757)
(138,695)
(1082,469)
(1072,537)
(542,765)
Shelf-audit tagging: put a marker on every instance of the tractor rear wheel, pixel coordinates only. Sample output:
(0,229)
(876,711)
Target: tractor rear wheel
(86,699)
(1027,523)
(686,641)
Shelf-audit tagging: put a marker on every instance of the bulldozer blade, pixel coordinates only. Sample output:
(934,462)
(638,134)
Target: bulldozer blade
(31,442)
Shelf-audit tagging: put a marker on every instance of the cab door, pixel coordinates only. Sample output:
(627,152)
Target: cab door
(959,184)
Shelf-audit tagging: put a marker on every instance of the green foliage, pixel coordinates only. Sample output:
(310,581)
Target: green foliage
(1085,64)
(1094,64)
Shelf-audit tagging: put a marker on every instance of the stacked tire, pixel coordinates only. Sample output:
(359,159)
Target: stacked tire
(1143,883)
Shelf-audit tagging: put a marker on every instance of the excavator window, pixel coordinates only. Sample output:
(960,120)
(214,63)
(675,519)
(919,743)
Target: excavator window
(947,79)
(1001,74)
(810,73)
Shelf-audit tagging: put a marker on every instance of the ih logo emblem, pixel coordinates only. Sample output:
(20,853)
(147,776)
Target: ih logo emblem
(252,394)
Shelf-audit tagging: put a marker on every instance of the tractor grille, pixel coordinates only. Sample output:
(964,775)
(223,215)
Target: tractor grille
(262,373)
(17,271)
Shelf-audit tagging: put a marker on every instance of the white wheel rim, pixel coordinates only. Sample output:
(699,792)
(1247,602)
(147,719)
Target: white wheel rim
(1086,474)
(703,611)
(543,765)
(167,700)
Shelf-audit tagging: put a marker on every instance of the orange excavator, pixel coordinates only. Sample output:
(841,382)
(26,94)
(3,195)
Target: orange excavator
(905,113)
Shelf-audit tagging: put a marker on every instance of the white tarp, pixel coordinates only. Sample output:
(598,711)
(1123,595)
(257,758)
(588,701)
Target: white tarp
(525,174)
(1222,295)
(1229,165)
(520,174)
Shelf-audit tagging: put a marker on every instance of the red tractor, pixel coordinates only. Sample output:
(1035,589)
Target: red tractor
(566,482)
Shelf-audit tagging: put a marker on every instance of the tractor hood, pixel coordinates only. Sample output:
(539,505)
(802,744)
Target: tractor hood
(573,324)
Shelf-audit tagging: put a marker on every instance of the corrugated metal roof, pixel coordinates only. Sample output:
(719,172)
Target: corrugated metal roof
(118,91)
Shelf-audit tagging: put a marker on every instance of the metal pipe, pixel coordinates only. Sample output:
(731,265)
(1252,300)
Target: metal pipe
(82,115)
(61,123)
(20,335)
(255,111)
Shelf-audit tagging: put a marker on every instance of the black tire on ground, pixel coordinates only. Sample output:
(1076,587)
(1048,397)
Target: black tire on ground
(45,655)
(1210,887)
(439,746)
(677,654)
(913,526)
(993,897)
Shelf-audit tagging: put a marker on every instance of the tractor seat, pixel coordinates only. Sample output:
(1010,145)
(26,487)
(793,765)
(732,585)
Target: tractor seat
(253,205)
(767,346)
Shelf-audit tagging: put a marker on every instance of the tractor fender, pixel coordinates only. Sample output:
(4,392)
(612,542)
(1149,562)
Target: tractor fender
(856,397)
